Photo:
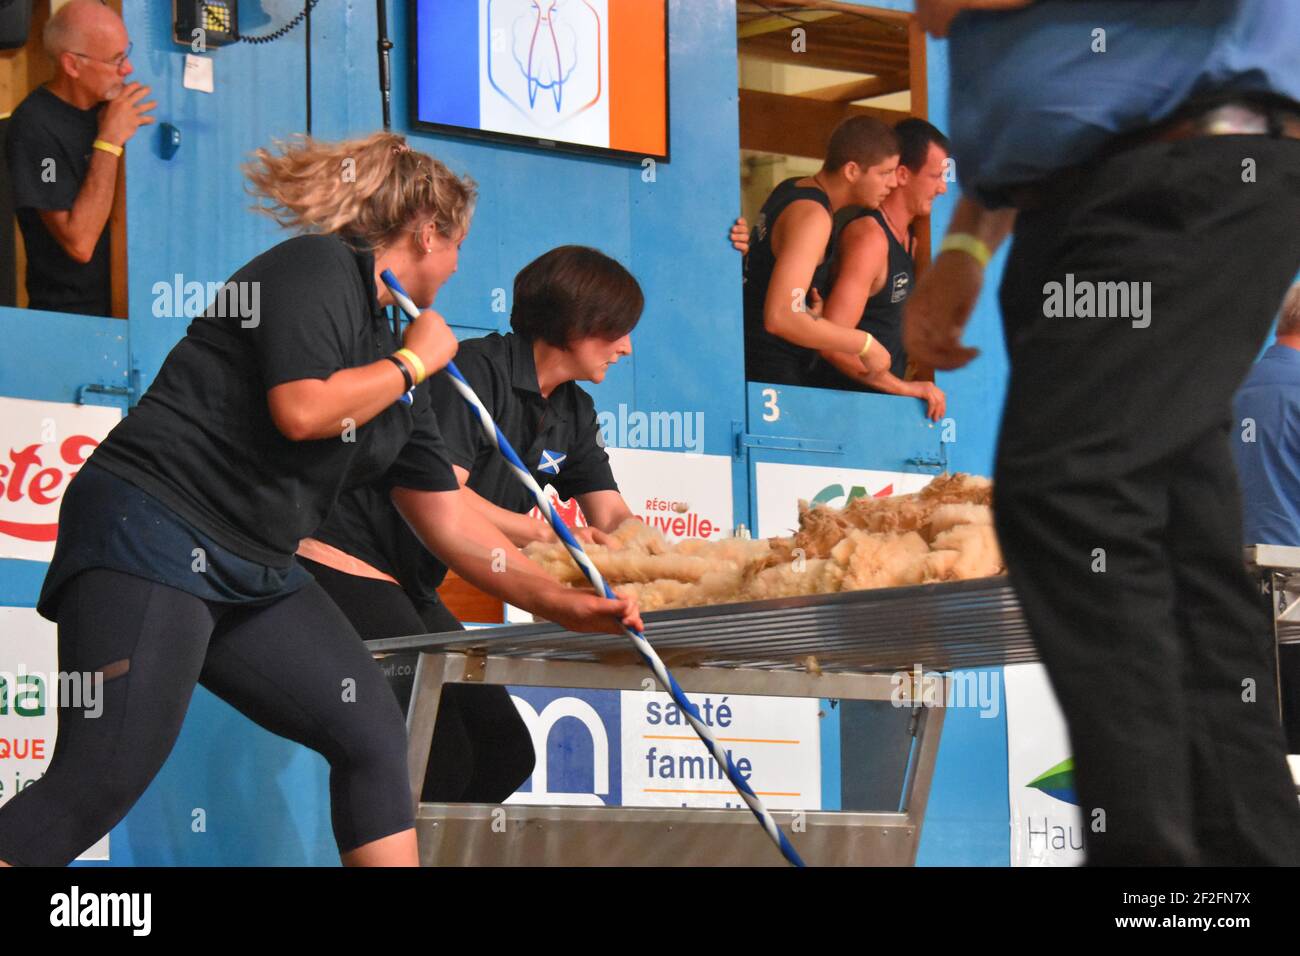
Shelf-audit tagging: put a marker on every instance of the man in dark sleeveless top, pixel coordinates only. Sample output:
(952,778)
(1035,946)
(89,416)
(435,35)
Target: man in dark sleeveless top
(791,242)
(874,269)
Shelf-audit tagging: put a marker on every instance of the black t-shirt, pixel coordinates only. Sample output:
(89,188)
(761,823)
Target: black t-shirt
(558,438)
(202,440)
(768,357)
(882,316)
(49,150)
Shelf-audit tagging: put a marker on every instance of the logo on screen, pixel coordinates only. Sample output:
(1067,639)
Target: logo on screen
(549,68)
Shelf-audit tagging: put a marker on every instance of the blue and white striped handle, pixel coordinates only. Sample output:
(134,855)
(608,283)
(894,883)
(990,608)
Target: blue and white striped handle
(648,653)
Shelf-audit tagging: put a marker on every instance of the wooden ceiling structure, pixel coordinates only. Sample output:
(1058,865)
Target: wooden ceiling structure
(885,46)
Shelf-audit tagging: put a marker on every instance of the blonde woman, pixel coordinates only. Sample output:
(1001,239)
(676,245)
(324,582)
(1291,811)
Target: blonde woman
(174,563)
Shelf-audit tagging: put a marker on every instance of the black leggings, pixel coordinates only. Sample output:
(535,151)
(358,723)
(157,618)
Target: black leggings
(294,665)
(481,750)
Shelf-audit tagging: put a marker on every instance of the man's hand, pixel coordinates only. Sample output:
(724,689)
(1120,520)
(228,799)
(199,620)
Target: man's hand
(938,310)
(936,403)
(125,114)
(814,304)
(740,236)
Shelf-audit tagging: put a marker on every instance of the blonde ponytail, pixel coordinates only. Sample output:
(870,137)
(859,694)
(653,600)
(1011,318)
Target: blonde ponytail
(372,188)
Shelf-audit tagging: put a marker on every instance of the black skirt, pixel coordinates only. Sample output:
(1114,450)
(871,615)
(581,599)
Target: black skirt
(107,522)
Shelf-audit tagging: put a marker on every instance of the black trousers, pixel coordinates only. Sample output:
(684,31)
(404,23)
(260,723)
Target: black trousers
(482,751)
(1117,505)
(1289,666)
(282,664)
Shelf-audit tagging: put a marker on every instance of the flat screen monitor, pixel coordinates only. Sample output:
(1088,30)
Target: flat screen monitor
(587,76)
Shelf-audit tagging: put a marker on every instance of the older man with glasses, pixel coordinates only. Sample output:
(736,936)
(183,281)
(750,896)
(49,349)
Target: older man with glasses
(63,146)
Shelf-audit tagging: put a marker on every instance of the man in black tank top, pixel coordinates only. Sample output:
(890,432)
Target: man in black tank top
(874,269)
(791,243)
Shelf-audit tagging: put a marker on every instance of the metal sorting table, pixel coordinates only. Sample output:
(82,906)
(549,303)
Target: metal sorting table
(844,646)
(1279,568)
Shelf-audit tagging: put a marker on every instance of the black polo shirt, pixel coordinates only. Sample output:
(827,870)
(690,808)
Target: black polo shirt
(202,440)
(49,150)
(558,438)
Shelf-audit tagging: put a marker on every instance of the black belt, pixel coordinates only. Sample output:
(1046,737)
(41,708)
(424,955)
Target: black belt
(1231,118)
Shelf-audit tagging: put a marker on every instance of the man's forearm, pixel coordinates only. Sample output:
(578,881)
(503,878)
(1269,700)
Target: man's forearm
(990,226)
(888,382)
(848,366)
(92,207)
(807,330)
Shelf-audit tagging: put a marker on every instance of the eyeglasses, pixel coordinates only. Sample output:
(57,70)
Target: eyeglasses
(116,62)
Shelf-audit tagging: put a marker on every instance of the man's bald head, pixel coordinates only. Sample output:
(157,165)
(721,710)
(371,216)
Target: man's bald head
(84,26)
(1288,322)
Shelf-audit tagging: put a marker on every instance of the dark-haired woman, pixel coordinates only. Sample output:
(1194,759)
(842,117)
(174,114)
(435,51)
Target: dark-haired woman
(572,315)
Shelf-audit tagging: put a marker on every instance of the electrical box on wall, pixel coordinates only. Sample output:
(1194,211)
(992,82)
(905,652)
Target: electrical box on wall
(15,22)
(217,19)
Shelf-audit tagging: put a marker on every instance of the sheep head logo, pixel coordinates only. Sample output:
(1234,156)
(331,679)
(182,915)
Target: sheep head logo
(552,68)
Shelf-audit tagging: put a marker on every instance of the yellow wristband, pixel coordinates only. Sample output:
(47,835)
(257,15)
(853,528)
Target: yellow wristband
(971,245)
(107,147)
(866,348)
(413,360)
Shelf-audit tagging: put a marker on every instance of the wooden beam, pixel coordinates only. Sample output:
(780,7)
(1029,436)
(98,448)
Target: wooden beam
(916,69)
(859,89)
(854,10)
(920,107)
(794,126)
(21,71)
(899,18)
(830,37)
(118,300)
(772,24)
(847,59)
(117,220)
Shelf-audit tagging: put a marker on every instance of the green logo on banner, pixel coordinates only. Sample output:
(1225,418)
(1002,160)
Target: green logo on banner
(832,492)
(1057,782)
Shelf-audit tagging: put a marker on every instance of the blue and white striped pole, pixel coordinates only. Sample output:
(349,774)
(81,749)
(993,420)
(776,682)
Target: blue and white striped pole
(648,653)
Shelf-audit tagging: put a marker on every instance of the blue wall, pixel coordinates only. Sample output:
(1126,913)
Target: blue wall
(264,798)
(967,821)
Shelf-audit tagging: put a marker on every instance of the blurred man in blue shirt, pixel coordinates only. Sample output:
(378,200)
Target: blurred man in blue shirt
(1268,454)
(1147,157)
(1267,415)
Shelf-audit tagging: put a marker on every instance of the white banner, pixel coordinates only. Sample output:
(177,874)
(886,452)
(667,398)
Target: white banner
(1046,824)
(635,749)
(775,743)
(42,445)
(30,686)
(681,494)
(779,487)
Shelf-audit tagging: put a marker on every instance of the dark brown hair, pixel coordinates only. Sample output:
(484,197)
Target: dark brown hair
(573,292)
(915,136)
(863,140)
